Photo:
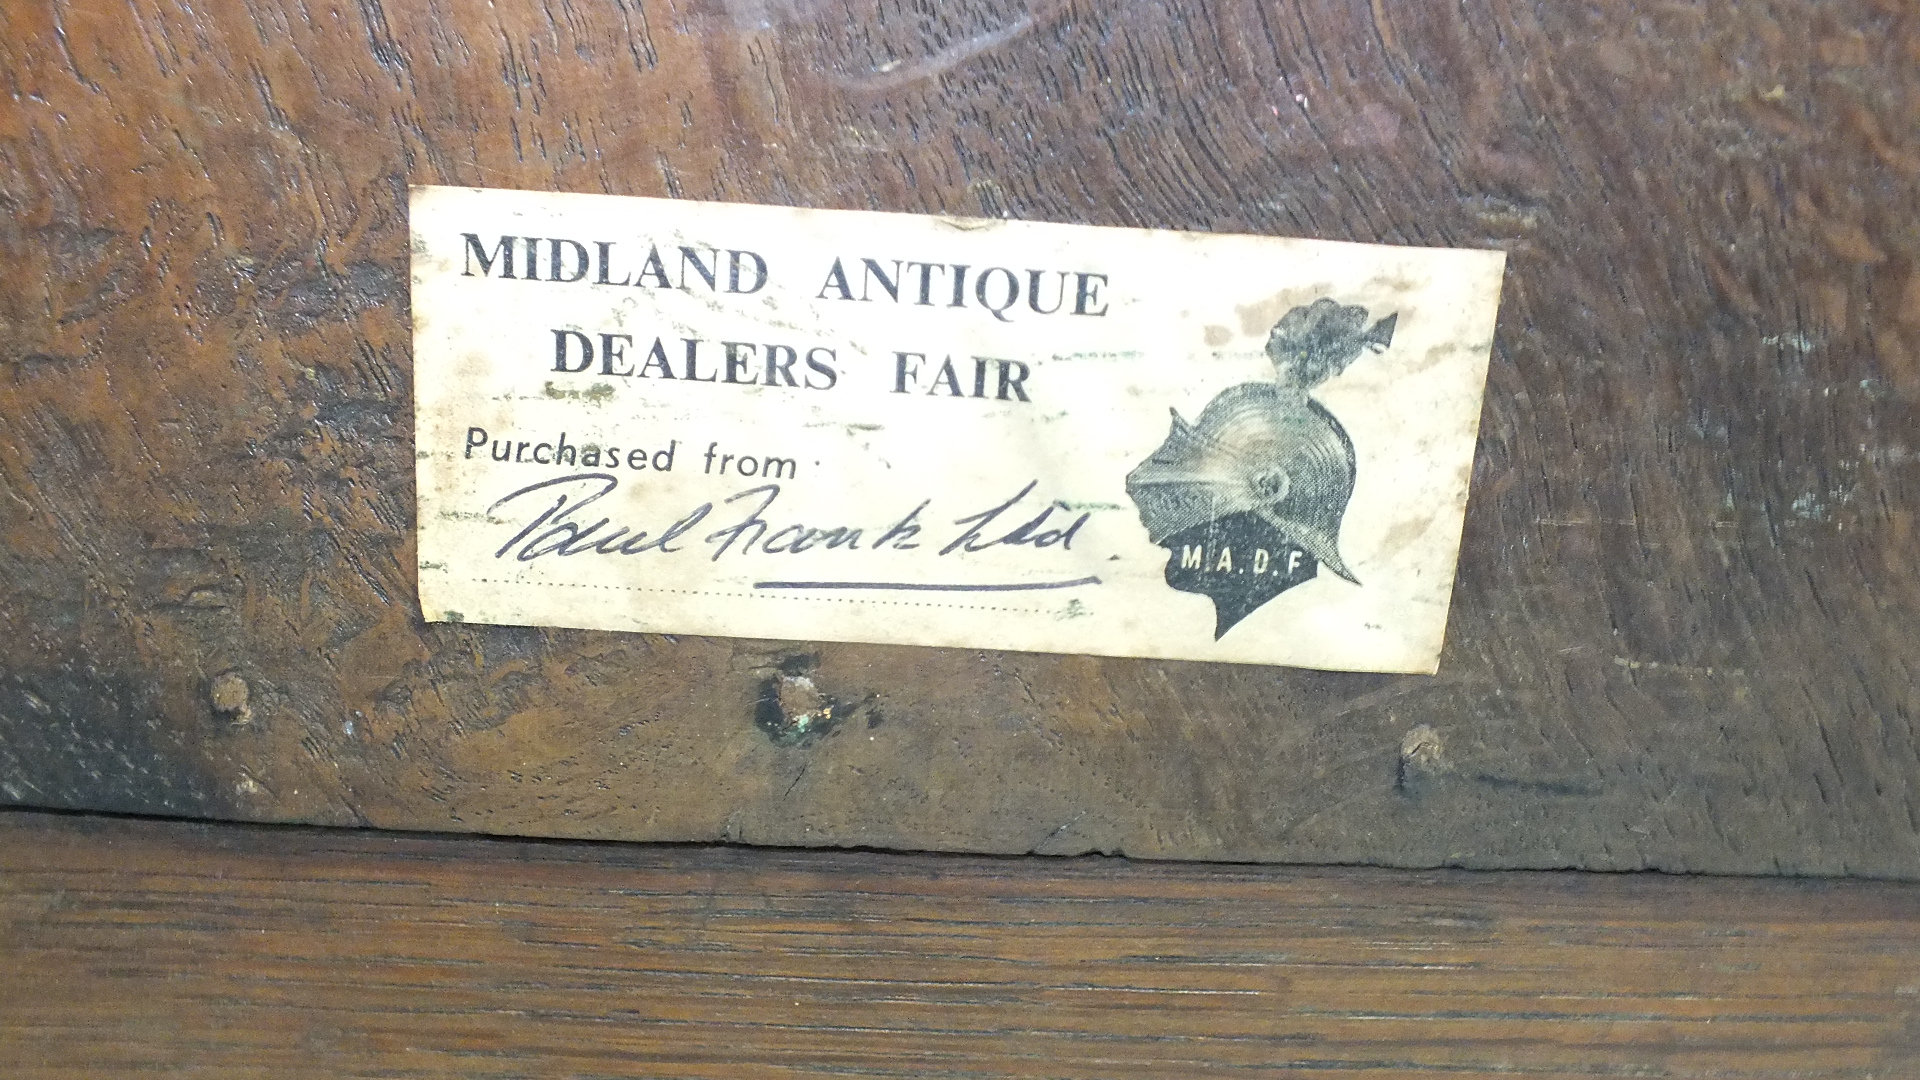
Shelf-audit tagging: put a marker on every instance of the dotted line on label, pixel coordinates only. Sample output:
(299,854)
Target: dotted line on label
(763,596)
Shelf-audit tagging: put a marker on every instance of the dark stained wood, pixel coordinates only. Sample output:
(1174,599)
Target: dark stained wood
(143,948)
(1684,634)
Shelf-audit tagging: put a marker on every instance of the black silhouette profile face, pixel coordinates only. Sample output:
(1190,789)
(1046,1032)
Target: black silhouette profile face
(1248,499)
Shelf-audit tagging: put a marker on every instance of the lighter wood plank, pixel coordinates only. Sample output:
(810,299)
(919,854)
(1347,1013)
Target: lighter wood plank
(147,948)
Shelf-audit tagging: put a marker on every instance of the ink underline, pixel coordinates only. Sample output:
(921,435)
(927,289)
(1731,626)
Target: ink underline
(908,586)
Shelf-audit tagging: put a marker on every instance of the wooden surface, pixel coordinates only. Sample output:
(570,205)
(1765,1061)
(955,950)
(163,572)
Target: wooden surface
(1684,634)
(140,948)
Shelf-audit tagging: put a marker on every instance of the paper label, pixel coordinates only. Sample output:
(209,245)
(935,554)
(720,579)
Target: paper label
(751,421)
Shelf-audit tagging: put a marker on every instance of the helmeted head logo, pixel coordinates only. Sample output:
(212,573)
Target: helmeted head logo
(1248,499)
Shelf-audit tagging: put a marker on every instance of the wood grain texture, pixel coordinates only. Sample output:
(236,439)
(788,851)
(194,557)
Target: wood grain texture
(142,948)
(1684,633)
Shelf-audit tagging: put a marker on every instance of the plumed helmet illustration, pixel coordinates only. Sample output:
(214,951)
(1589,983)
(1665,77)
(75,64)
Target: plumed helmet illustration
(1268,449)
(1258,448)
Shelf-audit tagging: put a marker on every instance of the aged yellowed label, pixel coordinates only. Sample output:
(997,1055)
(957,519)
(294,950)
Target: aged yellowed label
(753,421)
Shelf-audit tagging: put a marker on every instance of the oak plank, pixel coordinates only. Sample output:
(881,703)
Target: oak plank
(1684,631)
(142,947)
